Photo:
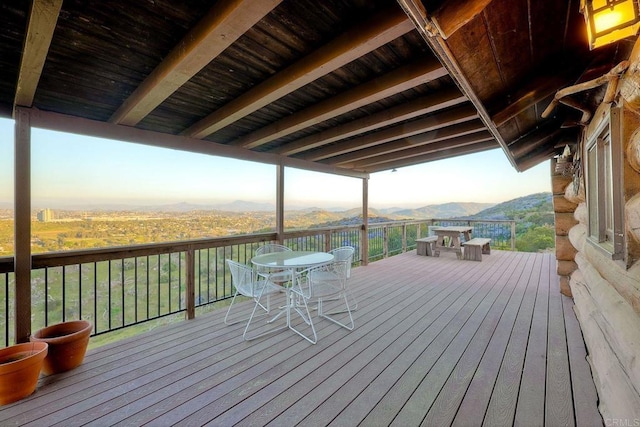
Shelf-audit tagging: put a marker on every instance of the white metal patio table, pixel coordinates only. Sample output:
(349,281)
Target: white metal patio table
(293,261)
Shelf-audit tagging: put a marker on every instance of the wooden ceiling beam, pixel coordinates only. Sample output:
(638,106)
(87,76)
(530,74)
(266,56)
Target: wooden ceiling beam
(352,44)
(425,105)
(442,145)
(545,153)
(543,135)
(43,17)
(428,137)
(401,79)
(441,120)
(438,45)
(536,90)
(454,14)
(431,157)
(223,25)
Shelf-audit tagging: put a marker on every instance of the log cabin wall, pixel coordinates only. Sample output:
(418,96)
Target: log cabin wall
(564,209)
(606,292)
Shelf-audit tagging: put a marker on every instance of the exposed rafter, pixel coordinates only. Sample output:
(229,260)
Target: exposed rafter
(407,77)
(354,43)
(433,147)
(429,123)
(430,157)
(535,91)
(42,23)
(543,135)
(454,14)
(425,105)
(426,138)
(224,24)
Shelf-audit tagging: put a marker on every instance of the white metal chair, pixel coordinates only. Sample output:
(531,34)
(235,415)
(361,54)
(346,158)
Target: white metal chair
(276,276)
(323,283)
(248,284)
(346,253)
(342,254)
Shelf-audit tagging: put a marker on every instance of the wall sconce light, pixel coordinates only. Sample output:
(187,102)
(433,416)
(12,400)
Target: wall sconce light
(610,20)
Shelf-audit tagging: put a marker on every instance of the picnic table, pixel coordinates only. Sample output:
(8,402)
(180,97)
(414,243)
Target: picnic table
(449,239)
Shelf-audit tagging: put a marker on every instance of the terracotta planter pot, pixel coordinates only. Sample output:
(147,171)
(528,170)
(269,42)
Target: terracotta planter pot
(20,367)
(67,344)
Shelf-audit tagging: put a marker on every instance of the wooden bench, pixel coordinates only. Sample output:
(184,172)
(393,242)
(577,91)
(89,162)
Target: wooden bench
(426,245)
(474,248)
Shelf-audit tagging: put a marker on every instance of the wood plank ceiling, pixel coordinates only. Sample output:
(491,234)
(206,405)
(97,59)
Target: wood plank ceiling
(355,85)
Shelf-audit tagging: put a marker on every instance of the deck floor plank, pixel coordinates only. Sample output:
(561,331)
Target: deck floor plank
(445,406)
(438,341)
(585,398)
(462,331)
(558,404)
(531,395)
(502,405)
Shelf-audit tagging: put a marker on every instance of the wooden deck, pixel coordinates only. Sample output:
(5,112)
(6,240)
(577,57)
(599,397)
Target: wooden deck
(438,341)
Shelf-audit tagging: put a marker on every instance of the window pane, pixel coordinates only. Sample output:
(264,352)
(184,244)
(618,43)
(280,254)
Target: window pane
(608,190)
(592,191)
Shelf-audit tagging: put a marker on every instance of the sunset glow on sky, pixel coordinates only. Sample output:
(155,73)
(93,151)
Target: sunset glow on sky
(72,169)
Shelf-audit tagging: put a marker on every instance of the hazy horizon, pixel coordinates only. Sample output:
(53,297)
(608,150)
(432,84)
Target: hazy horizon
(71,169)
(231,205)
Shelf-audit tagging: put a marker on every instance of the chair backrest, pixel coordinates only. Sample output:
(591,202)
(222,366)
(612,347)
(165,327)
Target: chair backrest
(270,248)
(267,249)
(344,253)
(313,281)
(241,278)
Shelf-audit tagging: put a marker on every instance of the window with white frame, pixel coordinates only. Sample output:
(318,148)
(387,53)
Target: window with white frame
(603,179)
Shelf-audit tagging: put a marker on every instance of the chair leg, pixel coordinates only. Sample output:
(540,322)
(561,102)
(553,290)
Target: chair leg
(327,316)
(352,307)
(253,317)
(306,317)
(226,316)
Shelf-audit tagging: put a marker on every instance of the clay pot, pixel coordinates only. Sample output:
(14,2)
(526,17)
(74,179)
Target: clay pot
(20,367)
(67,344)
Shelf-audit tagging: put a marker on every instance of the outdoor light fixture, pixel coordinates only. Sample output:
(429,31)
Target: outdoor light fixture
(610,20)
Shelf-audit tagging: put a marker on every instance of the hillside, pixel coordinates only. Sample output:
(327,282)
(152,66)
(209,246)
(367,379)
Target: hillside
(538,205)
(443,211)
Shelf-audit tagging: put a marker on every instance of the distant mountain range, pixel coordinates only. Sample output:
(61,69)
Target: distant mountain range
(501,211)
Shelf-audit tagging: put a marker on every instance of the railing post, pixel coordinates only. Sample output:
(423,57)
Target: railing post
(385,241)
(404,237)
(513,235)
(327,240)
(191,282)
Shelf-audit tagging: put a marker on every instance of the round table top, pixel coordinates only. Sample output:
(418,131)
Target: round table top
(292,259)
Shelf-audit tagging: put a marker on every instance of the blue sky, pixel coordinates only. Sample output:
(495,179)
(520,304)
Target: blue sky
(75,169)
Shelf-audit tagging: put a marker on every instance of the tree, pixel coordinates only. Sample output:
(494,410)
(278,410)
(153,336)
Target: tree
(536,239)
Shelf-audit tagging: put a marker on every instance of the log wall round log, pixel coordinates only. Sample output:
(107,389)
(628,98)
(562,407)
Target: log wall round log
(632,214)
(633,151)
(560,204)
(564,222)
(574,197)
(564,249)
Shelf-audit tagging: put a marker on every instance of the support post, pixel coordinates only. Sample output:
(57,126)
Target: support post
(280,203)
(22,225)
(364,255)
